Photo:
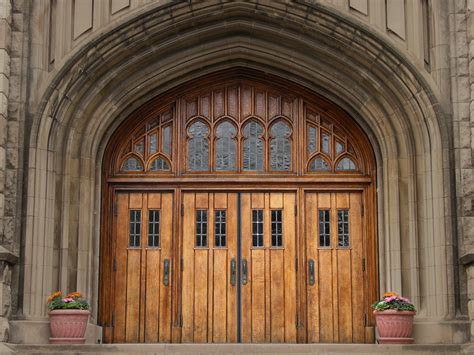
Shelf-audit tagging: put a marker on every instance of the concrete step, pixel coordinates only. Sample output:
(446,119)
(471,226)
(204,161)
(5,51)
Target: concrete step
(260,349)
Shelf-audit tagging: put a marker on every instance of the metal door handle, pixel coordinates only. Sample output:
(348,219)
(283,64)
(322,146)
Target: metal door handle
(166,272)
(244,272)
(233,267)
(311,279)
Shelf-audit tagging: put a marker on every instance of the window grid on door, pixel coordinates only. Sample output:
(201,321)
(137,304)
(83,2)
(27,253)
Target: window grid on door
(135,228)
(220,228)
(201,228)
(257,228)
(324,228)
(277,228)
(343,228)
(154,228)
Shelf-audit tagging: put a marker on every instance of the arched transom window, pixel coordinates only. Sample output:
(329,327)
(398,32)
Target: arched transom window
(240,129)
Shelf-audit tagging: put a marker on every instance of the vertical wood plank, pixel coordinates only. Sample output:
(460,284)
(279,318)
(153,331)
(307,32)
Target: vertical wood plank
(200,295)
(166,234)
(232,254)
(334,267)
(246,231)
(277,298)
(188,268)
(311,208)
(356,243)
(133,296)
(325,296)
(289,270)
(120,274)
(256,281)
(153,297)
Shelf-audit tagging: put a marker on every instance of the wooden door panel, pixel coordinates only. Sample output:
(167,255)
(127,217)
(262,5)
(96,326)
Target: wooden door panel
(335,302)
(269,297)
(142,304)
(209,304)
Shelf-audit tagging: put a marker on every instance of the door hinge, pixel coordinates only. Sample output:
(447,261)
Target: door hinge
(182,209)
(296,210)
(181,320)
(115,264)
(181,262)
(363,264)
(296,264)
(115,209)
(113,318)
(363,209)
(365,319)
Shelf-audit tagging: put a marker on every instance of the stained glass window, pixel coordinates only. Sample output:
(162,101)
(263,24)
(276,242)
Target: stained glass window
(198,147)
(159,164)
(132,164)
(226,146)
(167,140)
(325,146)
(346,164)
(312,139)
(319,164)
(280,146)
(152,143)
(253,147)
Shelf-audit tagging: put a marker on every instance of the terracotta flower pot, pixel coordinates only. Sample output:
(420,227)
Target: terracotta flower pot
(68,326)
(395,327)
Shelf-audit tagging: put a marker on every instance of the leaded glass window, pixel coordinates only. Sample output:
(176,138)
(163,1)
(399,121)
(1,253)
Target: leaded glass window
(280,146)
(159,164)
(325,143)
(277,228)
(319,164)
(339,147)
(167,140)
(154,228)
(324,228)
(135,228)
(253,147)
(257,228)
(343,228)
(152,143)
(198,147)
(139,147)
(312,139)
(346,164)
(220,228)
(201,228)
(132,164)
(226,147)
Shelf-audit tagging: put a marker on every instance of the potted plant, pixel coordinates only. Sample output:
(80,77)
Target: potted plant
(68,318)
(394,319)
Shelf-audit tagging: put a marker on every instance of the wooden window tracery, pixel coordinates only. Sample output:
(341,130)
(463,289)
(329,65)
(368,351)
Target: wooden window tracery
(238,129)
(149,148)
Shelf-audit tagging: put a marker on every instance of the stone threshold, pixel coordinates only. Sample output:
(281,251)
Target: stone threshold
(327,349)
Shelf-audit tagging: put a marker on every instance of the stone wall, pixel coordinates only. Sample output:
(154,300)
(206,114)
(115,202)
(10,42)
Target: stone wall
(69,73)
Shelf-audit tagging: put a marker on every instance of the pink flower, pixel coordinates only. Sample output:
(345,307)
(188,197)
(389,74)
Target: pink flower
(405,299)
(390,299)
(68,299)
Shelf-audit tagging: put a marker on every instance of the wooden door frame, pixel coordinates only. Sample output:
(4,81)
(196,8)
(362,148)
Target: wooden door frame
(369,220)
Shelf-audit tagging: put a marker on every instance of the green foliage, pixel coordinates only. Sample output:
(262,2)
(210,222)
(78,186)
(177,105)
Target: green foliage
(73,300)
(394,303)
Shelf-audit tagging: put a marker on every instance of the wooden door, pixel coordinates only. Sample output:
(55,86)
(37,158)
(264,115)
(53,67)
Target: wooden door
(143,230)
(334,267)
(268,267)
(209,291)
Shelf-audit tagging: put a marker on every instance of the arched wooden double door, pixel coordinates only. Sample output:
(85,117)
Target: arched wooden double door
(238,208)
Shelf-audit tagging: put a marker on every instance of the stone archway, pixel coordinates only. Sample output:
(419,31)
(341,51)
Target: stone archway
(337,58)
